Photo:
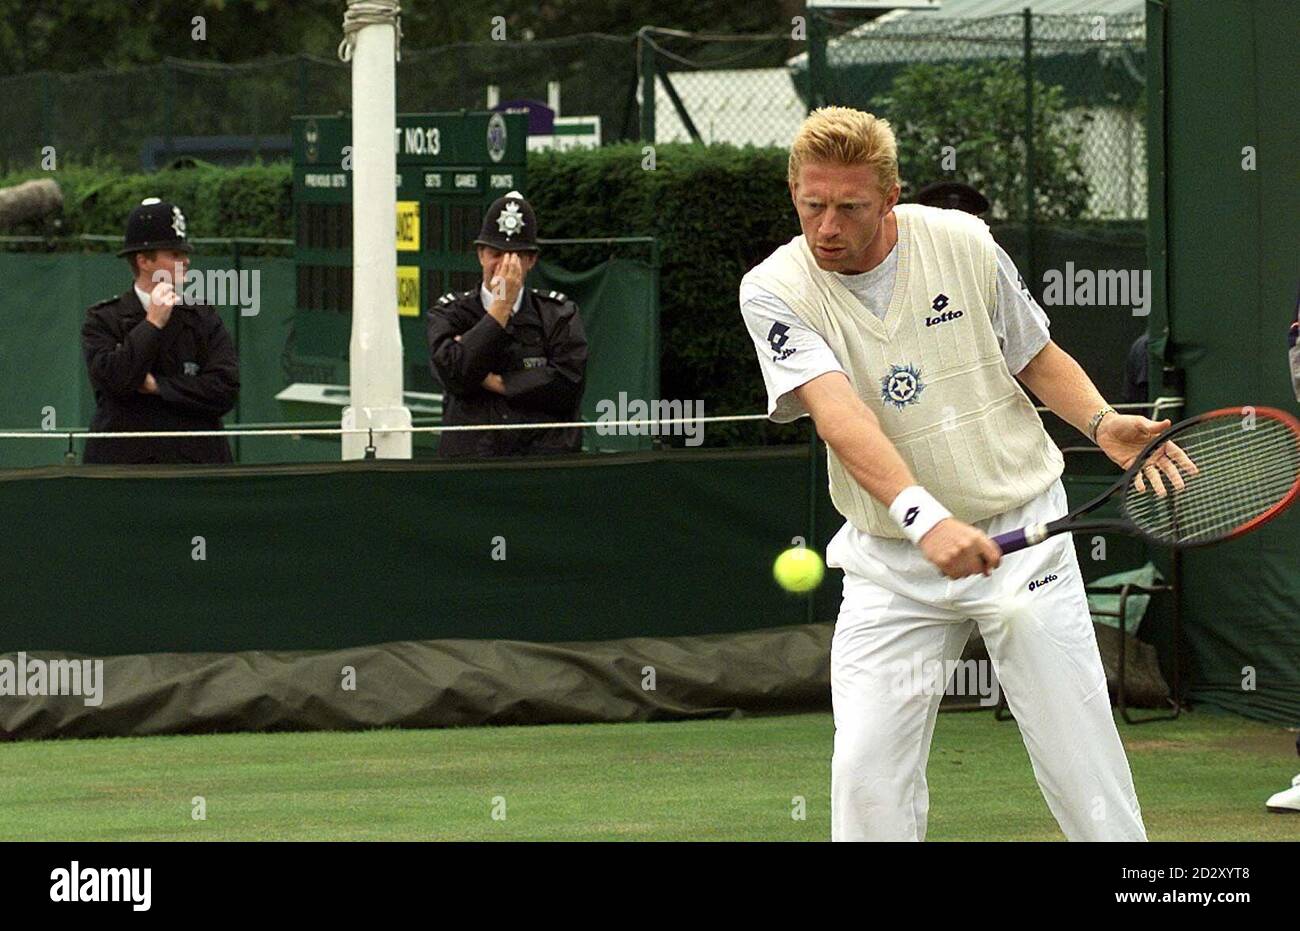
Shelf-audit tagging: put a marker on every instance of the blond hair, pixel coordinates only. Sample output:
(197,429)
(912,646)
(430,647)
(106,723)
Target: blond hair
(844,136)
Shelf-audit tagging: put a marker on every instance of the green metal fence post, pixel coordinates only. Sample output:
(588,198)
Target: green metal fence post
(302,83)
(816,61)
(47,118)
(169,109)
(239,312)
(1030,182)
(647,62)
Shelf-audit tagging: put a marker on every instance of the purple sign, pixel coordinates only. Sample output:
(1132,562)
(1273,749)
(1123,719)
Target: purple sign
(541,118)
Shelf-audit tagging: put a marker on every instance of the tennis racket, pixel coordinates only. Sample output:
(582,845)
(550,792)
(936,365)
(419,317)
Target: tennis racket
(1204,480)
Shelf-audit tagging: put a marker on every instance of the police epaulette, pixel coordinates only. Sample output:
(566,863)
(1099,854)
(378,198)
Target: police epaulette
(107,300)
(553,295)
(447,298)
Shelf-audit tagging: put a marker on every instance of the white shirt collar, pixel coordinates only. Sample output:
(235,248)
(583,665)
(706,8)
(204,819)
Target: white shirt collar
(143,296)
(486,297)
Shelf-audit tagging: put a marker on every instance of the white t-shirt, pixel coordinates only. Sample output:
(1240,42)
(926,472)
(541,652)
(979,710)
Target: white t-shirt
(791,354)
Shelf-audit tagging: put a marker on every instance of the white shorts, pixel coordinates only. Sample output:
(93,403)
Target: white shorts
(900,612)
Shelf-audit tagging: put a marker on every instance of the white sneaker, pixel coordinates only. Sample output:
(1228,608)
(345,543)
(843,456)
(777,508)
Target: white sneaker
(1287,801)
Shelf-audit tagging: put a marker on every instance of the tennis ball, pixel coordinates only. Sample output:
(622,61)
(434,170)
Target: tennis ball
(798,569)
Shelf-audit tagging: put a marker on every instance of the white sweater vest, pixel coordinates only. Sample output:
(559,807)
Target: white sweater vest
(931,371)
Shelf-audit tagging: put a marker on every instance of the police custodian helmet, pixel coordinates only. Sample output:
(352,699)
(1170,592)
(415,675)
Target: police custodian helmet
(509,225)
(953,195)
(155,224)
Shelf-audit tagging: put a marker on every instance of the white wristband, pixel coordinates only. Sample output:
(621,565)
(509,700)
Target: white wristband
(915,511)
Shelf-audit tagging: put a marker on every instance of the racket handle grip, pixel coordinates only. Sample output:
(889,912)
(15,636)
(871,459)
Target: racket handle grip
(1012,542)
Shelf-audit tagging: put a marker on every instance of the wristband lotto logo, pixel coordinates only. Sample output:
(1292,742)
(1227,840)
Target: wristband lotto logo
(103,884)
(29,676)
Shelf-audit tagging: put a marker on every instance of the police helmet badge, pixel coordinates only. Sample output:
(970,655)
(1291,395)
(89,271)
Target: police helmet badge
(511,220)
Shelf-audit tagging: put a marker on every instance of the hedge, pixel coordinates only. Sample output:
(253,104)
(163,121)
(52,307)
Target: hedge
(716,211)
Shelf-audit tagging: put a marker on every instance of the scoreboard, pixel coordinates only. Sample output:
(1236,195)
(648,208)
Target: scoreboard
(450,167)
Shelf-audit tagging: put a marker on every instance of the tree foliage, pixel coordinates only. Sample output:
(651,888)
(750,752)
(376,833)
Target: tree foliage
(72,35)
(979,111)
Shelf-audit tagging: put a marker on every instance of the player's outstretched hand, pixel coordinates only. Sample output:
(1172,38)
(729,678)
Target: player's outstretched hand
(1123,436)
(959,550)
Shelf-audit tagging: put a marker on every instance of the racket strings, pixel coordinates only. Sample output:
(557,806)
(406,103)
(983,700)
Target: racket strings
(1242,473)
(1237,481)
(1232,489)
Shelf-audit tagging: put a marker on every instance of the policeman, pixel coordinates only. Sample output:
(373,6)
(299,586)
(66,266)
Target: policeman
(156,364)
(506,354)
(953,195)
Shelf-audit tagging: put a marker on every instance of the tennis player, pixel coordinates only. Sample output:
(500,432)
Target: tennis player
(1288,800)
(901,329)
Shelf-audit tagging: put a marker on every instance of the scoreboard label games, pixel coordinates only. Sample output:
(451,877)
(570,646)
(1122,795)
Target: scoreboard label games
(450,167)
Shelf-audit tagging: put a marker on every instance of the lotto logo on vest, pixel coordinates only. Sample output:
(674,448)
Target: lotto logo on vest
(938,304)
(1041,582)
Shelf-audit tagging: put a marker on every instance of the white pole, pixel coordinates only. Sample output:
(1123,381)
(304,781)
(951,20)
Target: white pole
(376,349)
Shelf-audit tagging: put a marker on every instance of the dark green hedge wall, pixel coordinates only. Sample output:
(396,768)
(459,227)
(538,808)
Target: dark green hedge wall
(716,212)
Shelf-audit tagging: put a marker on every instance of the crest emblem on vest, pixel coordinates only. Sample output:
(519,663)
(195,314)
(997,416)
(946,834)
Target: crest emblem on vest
(902,386)
(510,220)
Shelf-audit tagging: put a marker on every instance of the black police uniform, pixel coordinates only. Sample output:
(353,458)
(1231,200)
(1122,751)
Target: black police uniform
(541,356)
(192,360)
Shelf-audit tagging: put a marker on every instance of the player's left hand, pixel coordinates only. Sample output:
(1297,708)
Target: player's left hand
(1123,436)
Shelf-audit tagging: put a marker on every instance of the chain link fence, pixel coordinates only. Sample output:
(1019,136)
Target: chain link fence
(734,89)
(963,94)
(957,90)
(145,117)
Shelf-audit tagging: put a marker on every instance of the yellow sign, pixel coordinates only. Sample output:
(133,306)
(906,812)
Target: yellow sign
(408,226)
(408,291)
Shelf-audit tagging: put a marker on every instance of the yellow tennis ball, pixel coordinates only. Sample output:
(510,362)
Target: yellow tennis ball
(799,570)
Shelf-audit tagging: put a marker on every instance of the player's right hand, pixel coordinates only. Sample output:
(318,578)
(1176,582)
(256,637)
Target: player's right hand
(959,550)
(161,301)
(509,279)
